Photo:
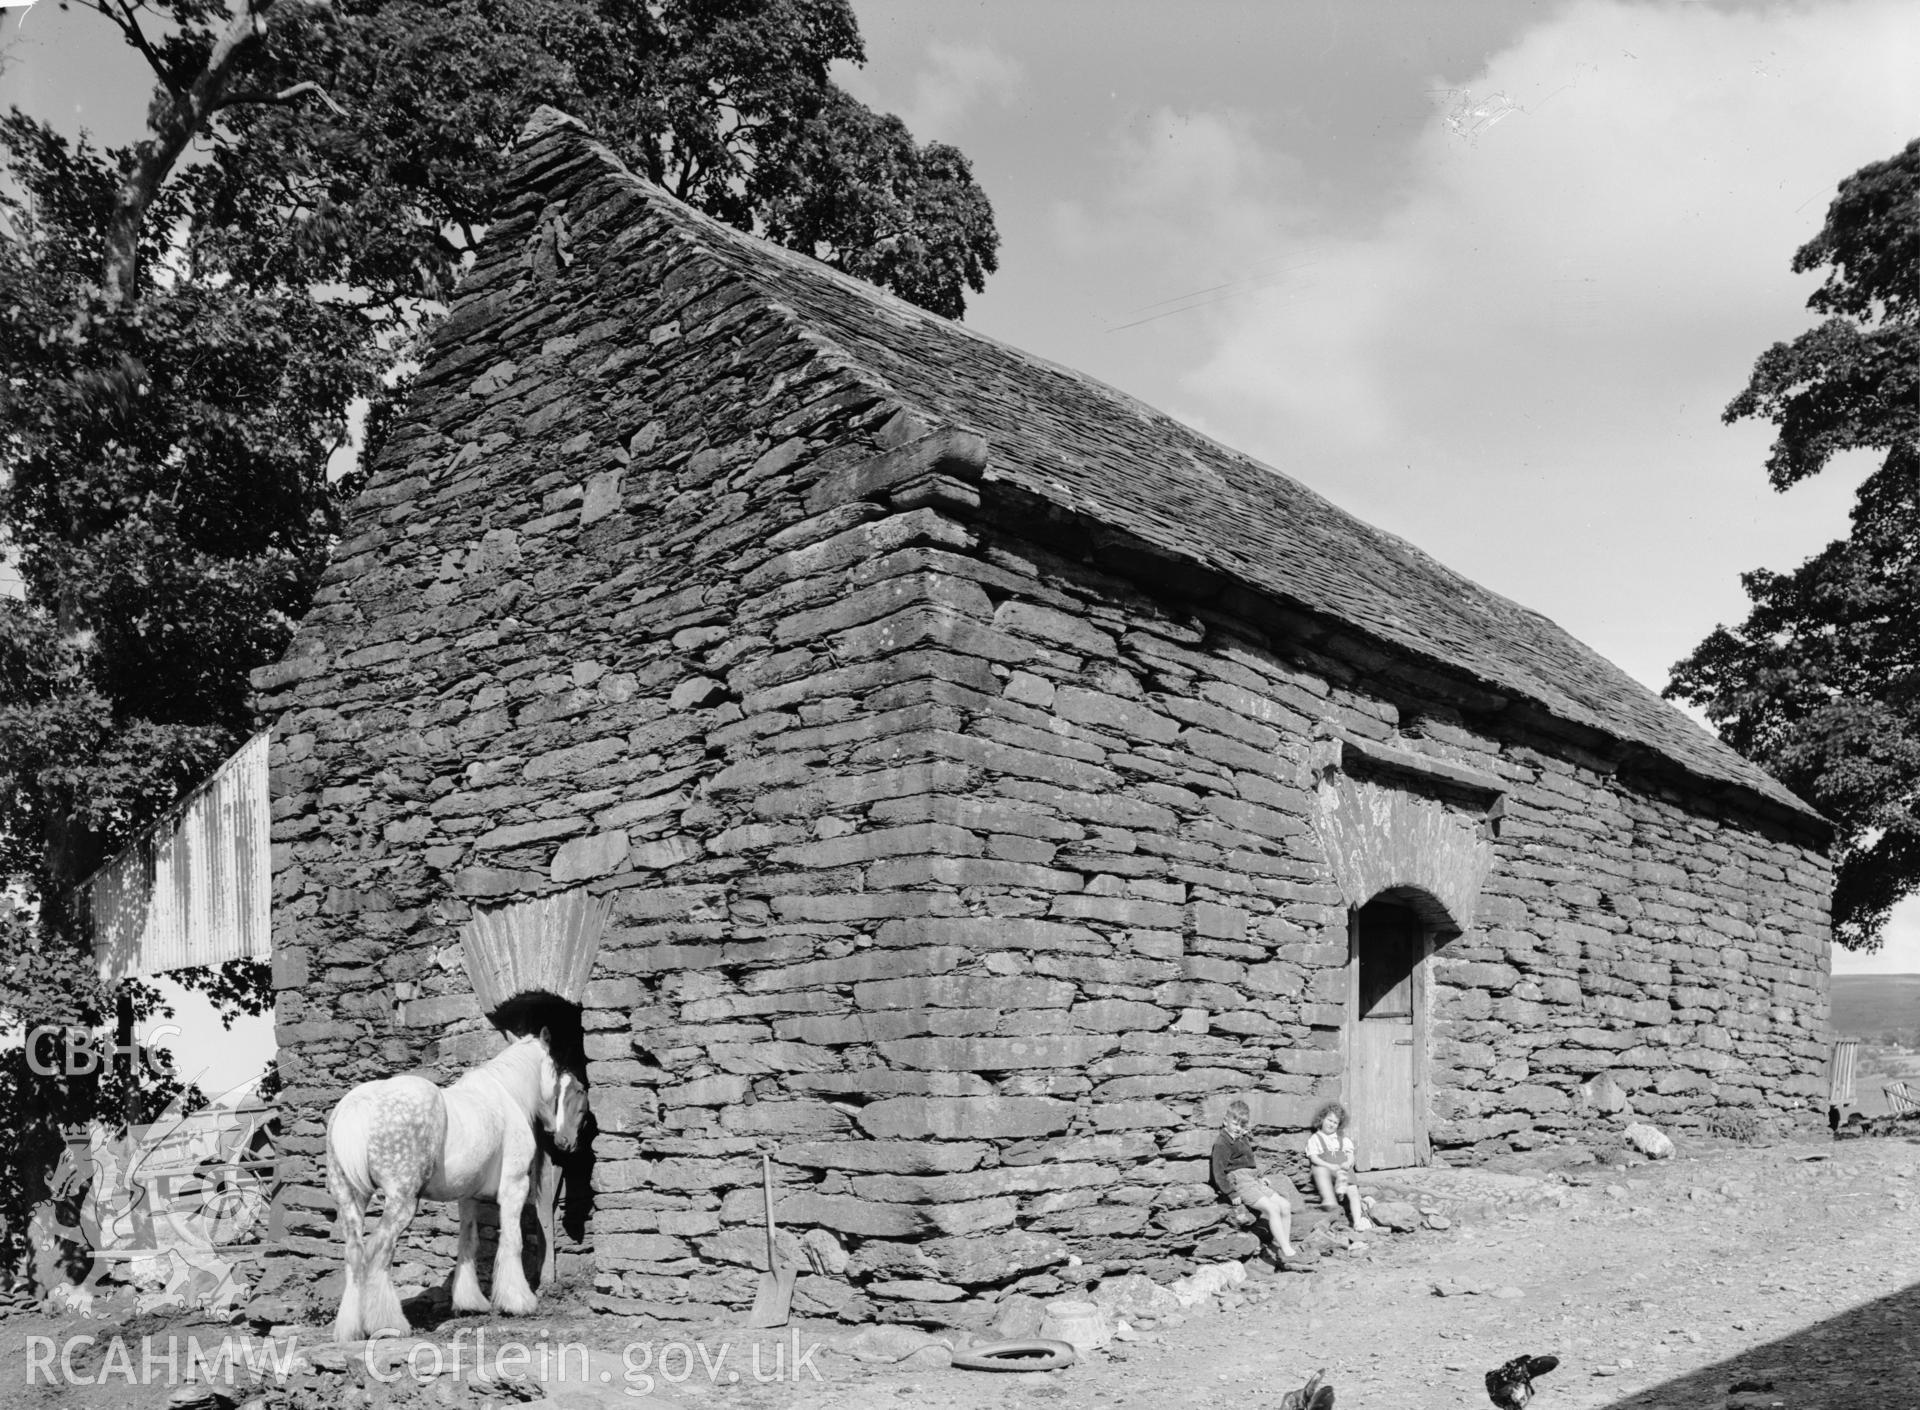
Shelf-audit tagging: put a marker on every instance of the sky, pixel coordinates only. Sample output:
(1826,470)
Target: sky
(1484,274)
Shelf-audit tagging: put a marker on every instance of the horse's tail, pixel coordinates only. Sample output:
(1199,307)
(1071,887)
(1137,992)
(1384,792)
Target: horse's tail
(348,1148)
(350,1183)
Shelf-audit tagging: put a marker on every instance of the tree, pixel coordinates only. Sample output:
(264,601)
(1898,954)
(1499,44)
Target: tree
(191,325)
(183,341)
(1821,683)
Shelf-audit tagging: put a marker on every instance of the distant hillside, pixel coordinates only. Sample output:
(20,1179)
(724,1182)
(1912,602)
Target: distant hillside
(1873,1005)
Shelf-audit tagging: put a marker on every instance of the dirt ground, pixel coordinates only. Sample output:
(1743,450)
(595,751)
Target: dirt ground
(1782,1275)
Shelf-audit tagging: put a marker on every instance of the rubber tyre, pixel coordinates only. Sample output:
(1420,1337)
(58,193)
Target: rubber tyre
(1039,1354)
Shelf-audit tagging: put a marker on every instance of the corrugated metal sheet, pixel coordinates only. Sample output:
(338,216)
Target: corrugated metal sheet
(195,890)
(1840,1075)
(535,947)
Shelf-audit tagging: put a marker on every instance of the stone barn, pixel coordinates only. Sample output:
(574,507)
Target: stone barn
(989,777)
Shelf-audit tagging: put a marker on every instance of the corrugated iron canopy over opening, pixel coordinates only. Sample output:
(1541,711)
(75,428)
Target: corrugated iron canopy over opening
(543,946)
(195,889)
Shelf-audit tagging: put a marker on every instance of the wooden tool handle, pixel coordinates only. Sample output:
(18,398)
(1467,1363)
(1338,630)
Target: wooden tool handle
(766,1179)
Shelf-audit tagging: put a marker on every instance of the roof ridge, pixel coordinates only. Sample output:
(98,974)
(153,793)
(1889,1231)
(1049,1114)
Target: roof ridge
(687,226)
(548,120)
(1125,464)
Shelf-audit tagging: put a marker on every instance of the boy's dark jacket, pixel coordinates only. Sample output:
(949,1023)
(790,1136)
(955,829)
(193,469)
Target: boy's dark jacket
(1229,1155)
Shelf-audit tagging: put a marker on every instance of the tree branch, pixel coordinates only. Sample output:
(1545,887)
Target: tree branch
(287,95)
(690,175)
(130,27)
(284,96)
(186,116)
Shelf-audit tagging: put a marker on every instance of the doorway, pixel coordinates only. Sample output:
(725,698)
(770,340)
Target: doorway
(1386,1031)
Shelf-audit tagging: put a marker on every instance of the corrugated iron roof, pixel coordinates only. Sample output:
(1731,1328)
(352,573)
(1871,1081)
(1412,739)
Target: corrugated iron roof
(195,888)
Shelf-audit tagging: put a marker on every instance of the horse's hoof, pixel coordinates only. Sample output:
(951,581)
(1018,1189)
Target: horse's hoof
(467,1296)
(512,1305)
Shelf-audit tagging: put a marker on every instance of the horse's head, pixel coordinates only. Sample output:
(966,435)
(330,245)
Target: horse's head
(563,1097)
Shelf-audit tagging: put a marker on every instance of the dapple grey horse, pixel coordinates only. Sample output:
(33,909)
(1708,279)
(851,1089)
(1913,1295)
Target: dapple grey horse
(471,1141)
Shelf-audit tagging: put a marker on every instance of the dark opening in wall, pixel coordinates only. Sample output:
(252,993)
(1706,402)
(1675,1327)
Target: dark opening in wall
(560,1019)
(1388,948)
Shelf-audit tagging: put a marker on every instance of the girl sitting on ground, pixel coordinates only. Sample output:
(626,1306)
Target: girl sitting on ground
(1330,1155)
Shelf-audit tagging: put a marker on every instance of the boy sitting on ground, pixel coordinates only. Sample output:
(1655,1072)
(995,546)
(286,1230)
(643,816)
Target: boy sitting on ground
(1236,1174)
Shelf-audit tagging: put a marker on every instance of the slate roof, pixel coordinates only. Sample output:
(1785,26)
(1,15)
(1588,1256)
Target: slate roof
(1088,448)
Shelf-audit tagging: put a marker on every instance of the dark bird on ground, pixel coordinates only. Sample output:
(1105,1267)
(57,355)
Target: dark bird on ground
(1314,1395)
(1511,1387)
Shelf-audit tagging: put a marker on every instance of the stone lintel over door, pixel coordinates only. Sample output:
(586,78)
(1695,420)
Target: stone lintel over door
(1408,839)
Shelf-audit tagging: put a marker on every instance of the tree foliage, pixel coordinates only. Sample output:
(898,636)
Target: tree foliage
(183,341)
(1821,683)
(192,325)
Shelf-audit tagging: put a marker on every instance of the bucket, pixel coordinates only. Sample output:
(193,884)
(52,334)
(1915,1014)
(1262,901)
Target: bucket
(1085,1326)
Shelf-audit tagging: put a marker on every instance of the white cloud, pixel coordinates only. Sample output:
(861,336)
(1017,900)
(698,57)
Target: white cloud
(1521,364)
(1184,182)
(955,80)
(1615,187)
(1199,212)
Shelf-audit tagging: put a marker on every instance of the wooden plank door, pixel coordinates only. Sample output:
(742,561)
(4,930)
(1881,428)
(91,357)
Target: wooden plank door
(1386,1028)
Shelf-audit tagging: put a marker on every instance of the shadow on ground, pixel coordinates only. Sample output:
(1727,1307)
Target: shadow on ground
(1865,1357)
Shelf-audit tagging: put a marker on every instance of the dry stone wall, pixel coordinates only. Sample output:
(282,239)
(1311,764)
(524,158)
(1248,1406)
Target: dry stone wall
(531,667)
(1634,935)
(1136,814)
(966,873)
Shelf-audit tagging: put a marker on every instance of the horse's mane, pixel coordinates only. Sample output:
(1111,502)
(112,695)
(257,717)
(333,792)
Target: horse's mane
(515,1070)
